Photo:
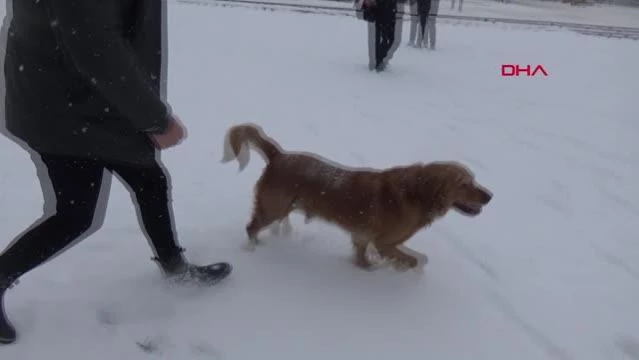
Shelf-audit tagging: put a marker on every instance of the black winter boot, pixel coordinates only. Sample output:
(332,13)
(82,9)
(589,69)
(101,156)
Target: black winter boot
(7,331)
(178,270)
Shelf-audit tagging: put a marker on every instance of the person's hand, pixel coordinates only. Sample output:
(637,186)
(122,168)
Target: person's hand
(174,134)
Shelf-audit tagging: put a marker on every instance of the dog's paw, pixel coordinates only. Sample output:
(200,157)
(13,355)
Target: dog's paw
(422,260)
(373,255)
(420,269)
(409,263)
(400,266)
(251,245)
(363,264)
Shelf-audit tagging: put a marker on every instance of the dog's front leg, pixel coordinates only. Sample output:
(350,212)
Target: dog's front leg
(360,244)
(422,259)
(251,244)
(400,259)
(251,231)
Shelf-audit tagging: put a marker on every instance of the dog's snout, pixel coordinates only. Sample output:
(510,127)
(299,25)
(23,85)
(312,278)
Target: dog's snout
(487,196)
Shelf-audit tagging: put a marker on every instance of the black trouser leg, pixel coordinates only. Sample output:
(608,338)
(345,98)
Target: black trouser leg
(77,183)
(385,36)
(389,29)
(423,17)
(379,49)
(150,191)
(76,186)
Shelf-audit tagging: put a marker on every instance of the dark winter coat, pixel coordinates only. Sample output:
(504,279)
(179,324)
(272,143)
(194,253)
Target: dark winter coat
(423,7)
(84,77)
(386,10)
(380,10)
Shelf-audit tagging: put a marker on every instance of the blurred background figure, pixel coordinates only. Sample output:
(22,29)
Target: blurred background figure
(414,22)
(430,33)
(381,33)
(461,2)
(420,11)
(384,29)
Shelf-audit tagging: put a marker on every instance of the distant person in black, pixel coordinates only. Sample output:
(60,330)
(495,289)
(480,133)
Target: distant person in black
(84,95)
(419,16)
(423,13)
(384,32)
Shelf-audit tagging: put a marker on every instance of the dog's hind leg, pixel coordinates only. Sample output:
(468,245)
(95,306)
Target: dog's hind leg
(268,209)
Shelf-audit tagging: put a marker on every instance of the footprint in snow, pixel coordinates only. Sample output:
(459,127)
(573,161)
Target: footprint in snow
(206,351)
(158,345)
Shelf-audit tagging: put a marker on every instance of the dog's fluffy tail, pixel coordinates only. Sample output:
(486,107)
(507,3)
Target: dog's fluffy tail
(240,138)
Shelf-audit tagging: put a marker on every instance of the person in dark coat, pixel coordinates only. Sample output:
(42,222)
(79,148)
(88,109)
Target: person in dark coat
(384,31)
(85,95)
(421,9)
(423,23)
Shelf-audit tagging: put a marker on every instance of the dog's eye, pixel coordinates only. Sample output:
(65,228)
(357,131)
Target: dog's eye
(467,186)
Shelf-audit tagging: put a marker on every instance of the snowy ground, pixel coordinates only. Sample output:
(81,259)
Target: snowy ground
(548,271)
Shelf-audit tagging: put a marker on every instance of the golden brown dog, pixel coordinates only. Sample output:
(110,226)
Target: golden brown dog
(382,208)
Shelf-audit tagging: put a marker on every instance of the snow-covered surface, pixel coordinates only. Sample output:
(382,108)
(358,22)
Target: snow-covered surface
(596,14)
(548,271)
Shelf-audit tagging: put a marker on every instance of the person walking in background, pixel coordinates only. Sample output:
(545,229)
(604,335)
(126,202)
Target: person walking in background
(423,22)
(430,33)
(384,31)
(452,5)
(85,94)
(422,8)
